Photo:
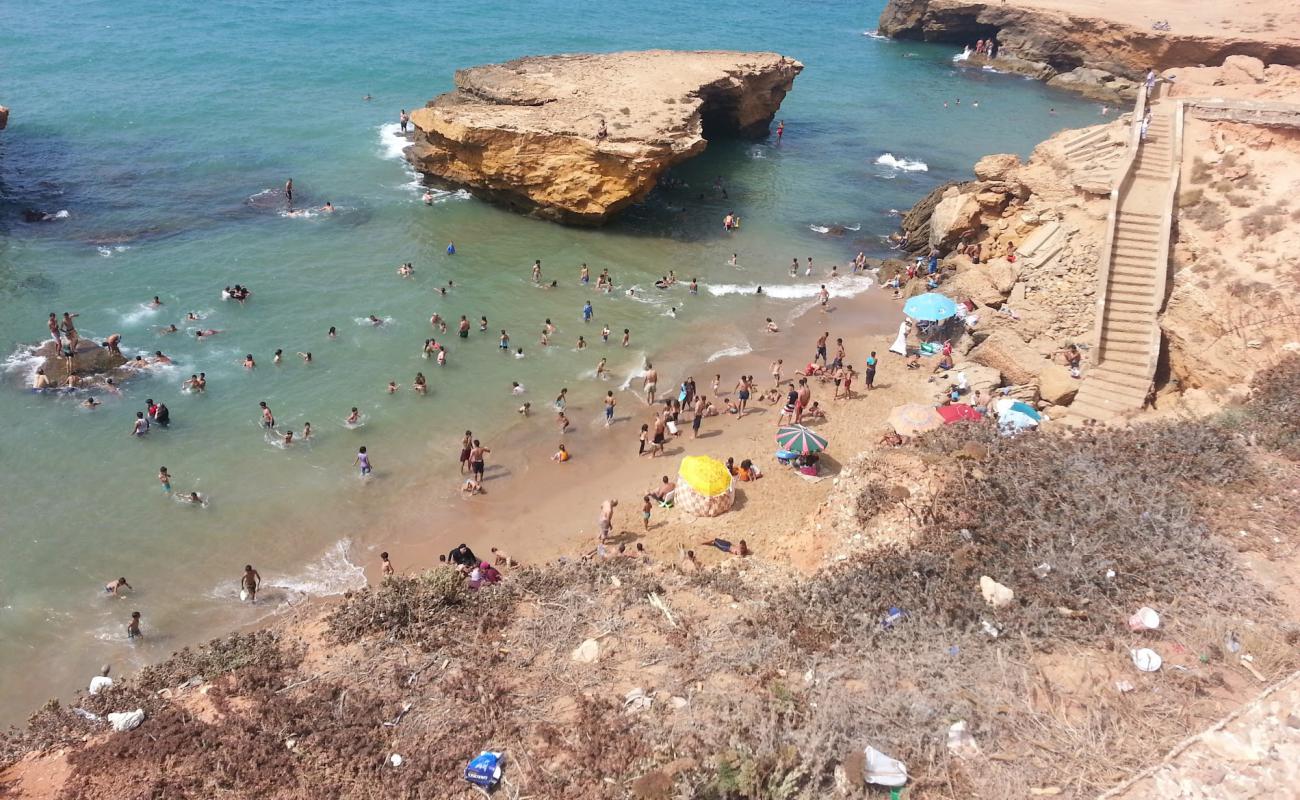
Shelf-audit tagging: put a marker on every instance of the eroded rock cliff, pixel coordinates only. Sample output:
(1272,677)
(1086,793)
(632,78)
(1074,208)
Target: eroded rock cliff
(1083,44)
(578,138)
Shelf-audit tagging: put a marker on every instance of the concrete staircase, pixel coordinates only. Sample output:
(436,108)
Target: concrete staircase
(1127,343)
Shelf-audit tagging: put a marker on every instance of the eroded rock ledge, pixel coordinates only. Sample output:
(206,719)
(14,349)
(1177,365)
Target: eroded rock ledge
(526,133)
(1098,47)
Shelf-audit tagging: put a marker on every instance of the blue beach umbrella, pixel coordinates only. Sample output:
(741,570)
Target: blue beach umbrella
(930,307)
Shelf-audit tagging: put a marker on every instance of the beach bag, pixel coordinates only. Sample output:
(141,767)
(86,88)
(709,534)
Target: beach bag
(484,770)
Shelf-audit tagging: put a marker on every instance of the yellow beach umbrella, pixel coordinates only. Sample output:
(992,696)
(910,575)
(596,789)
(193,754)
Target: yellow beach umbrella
(707,476)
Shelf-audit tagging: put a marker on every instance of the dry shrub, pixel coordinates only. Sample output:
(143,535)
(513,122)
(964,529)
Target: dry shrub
(1190,197)
(1208,215)
(1263,222)
(1200,170)
(1272,418)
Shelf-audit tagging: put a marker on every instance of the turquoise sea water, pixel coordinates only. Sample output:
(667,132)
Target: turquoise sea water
(156,127)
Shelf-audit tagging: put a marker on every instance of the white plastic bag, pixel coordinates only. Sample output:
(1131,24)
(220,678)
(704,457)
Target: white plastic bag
(126,720)
(883,770)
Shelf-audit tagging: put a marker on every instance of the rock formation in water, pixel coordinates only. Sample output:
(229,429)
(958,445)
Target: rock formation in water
(1089,51)
(578,138)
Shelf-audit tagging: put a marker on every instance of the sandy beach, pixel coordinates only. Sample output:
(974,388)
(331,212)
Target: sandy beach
(538,510)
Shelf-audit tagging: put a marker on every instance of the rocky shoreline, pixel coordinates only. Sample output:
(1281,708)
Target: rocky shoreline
(578,138)
(1098,56)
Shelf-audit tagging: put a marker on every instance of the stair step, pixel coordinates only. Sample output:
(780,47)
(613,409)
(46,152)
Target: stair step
(1105,377)
(1122,370)
(1127,328)
(1114,348)
(1139,222)
(1136,280)
(1113,337)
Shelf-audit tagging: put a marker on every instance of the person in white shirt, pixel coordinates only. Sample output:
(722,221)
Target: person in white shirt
(101,681)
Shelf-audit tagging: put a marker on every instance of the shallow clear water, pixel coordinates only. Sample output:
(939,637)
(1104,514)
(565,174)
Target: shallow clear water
(156,127)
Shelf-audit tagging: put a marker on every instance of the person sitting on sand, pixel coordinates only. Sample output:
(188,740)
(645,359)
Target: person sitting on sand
(664,492)
(501,558)
(739,549)
(814,411)
(945,363)
(772,327)
(892,439)
(748,472)
(914,361)
(688,562)
(472,487)
(483,575)
(561,455)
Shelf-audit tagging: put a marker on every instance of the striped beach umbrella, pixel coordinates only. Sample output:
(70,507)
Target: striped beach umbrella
(799,439)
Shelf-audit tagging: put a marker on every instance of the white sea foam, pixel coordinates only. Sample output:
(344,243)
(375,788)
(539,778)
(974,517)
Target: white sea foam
(875,35)
(62,214)
(24,361)
(758,153)
(964,55)
(730,352)
(901,164)
(391,142)
(367,321)
(107,252)
(819,229)
(843,286)
(331,574)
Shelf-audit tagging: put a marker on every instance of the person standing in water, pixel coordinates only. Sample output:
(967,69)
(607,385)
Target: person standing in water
(288,191)
(363,461)
(780,131)
(249,583)
(165,478)
(133,627)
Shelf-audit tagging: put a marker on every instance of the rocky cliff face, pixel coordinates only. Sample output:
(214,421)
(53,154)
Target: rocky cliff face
(1053,43)
(578,138)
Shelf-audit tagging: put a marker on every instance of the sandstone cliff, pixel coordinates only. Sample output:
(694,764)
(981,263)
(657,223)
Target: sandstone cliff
(528,133)
(1083,44)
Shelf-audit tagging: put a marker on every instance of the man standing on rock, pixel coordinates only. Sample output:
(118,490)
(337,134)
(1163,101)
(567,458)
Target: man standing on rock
(403,120)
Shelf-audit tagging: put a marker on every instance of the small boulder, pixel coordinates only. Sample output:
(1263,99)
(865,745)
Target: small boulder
(972,283)
(954,218)
(991,200)
(1056,385)
(996,167)
(1004,274)
(995,594)
(1005,352)
(586,653)
(1242,69)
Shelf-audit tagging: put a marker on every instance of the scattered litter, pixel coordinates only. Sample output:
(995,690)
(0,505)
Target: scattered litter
(810,676)
(1123,687)
(1146,659)
(290,743)
(615,582)
(960,741)
(1246,661)
(679,702)
(895,614)
(1110,573)
(1231,643)
(586,653)
(883,770)
(1144,619)
(995,594)
(990,628)
(1070,613)
(87,715)
(1045,791)
(392,723)
(485,769)
(395,760)
(636,701)
(954,650)
(126,720)
(1042,570)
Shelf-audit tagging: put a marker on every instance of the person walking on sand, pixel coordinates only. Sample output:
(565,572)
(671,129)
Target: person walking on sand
(606,521)
(821,347)
(700,404)
(649,382)
(776,372)
(249,583)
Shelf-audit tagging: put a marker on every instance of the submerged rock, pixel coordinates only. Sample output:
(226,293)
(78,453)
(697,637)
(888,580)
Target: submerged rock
(578,138)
